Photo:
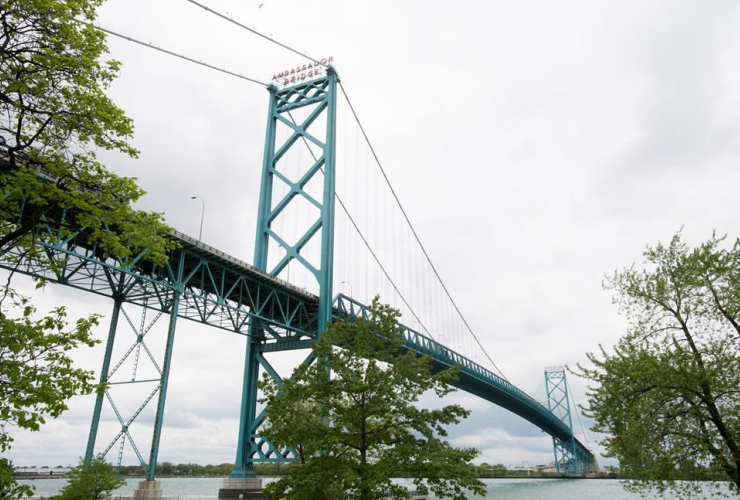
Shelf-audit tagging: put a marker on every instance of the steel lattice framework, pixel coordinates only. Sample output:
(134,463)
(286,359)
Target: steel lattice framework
(199,283)
(317,98)
(203,284)
(571,456)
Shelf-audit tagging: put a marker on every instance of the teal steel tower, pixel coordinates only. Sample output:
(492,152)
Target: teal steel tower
(320,97)
(567,457)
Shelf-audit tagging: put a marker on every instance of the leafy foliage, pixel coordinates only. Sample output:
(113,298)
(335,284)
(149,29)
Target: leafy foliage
(37,376)
(359,427)
(93,480)
(10,489)
(669,395)
(53,112)
(54,115)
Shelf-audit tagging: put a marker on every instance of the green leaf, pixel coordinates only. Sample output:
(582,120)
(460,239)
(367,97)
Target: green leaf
(667,399)
(358,428)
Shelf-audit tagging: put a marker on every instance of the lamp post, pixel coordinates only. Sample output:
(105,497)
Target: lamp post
(288,264)
(351,293)
(202,214)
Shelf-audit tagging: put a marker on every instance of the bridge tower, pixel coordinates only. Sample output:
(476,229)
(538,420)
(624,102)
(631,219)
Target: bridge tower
(315,103)
(567,459)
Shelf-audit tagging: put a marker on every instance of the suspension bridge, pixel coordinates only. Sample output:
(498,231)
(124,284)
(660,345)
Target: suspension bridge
(325,219)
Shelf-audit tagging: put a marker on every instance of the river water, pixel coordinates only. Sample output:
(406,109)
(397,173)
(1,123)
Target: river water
(503,489)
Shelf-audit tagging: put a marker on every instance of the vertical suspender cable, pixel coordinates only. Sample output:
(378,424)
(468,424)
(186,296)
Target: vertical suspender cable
(377,160)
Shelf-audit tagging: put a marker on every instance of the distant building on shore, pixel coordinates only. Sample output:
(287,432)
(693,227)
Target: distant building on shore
(31,472)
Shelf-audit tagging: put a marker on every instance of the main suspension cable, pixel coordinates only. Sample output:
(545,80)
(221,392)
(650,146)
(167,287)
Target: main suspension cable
(181,56)
(254,31)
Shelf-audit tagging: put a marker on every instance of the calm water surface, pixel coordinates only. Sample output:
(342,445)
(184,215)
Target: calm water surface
(504,489)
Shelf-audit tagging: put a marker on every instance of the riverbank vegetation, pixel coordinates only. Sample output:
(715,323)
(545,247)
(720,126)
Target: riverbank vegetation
(667,398)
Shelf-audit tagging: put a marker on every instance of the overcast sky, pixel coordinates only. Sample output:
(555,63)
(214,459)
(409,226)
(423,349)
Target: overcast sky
(536,147)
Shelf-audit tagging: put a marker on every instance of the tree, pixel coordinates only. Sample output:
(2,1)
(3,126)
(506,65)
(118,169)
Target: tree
(93,480)
(355,430)
(166,468)
(54,116)
(8,487)
(37,376)
(668,397)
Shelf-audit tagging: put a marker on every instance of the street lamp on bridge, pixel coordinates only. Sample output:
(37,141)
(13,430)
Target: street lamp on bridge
(202,214)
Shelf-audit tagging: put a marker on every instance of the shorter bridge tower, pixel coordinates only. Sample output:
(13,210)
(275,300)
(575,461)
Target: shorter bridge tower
(568,460)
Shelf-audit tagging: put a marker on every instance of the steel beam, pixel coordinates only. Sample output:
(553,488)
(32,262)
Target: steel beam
(159,418)
(89,453)
(244,465)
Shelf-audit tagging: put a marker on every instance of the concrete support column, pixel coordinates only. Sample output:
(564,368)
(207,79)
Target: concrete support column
(148,490)
(245,488)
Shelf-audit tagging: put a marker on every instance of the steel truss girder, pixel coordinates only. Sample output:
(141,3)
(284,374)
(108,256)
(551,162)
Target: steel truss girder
(78,266)
(216,289)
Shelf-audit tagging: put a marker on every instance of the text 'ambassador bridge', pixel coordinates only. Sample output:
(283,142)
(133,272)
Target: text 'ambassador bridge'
(331,235)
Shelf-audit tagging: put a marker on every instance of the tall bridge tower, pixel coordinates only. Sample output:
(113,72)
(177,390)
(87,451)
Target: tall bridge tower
(315,99)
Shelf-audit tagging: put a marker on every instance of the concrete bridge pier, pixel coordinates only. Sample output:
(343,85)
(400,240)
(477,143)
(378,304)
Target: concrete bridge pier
(238,487)
(148,490)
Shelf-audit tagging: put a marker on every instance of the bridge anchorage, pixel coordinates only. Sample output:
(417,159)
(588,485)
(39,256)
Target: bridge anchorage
(203,284)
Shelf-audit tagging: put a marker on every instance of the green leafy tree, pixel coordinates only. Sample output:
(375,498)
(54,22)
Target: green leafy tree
(166,468)
(93,480)
(360,427)
(668,397)
(37,376)
(8,487)
(54,116)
